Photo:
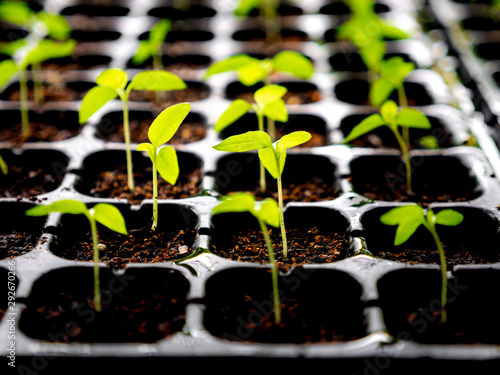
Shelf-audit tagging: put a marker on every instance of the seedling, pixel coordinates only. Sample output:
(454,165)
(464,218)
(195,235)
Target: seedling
(4,168)
(24,57)
(409,218)
(164,159)
(251,70)
(265,213)
(104,213)
(112,83)
(268,103)
(272,156)
(151,48)
(268,9)
(392,118)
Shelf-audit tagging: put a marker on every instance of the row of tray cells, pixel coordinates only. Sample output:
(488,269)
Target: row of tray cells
(306,177)
(331,303)
(183,229)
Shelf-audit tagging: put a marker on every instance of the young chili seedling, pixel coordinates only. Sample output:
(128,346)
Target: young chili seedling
(112,83)
(164,159)
(272,156)
(266,213)
(103,213)
(251,70)
(409,218)
(268,104)
(151,47)
(392,118)
(268,10)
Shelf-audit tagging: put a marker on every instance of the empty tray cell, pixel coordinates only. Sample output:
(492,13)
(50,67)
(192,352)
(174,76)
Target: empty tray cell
(411,305)
(95,10)
(19,233)
(440,134)
(314,235)
(193,11)
(77,62)
(488,50)
(104,175)
(257,35)
(175,64)
(110,127)
(340,8)
(298,92)
(306,178)
(239,307)
(141,305)
(173,239)
(314,125)
(32,173)
(474,241)
(95,35)
(355,91)
(47,126)
(435,178)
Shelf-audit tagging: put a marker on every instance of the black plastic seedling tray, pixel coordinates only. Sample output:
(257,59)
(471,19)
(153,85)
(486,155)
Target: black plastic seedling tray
(368,312)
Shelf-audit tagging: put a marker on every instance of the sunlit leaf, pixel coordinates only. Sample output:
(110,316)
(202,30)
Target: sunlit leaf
(232,63)
(252,140)
(236,109)
(156,80)
(167,164)
(449,217)
(365,126)
(7,69)
(109,216)
(113,78)
(294,63)
(166,123)
(412,118)
(64,206)
(269,212)
(93,100)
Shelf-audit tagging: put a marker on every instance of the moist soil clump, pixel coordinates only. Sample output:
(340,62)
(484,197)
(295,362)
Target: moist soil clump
(312,246)
(17,243)
(22,182)
(40,132)
(138,246)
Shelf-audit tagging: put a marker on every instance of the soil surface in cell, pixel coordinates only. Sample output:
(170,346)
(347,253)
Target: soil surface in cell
(52,93)
(187,133)
(23,182)
(40,132)
(113,184)
(167,98)
(311,246)
(138,246)
(17,243)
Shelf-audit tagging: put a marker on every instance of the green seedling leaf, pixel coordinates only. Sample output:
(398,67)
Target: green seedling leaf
(269,212)
(236,109)
(48,49)
(276,110)
(109,216)
(252,140)
(392,32)
(380,90)
(389,111)
(166,123)
(113,78)
(95,98)
(373,53)
(167,164)
(11,47)
(268,94)
(244,7)
(65,206)
(396,69)
(15,12)
(294,63)
(147,147)
(156,80)
(367,125)
(57,26)
(267,157)
(449,217)
(142,53)
(151,47)
(232,63)
(293,139)
(428,142)
(7,69)
(236,202)
(412,118)
(252,73)
(407,218)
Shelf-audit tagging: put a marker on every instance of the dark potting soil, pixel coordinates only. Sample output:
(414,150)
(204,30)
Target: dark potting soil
(188,132)
(192,93)
(17,243)
(139,246)
(24,182)
(40,132)
(52,93)
(113,184)
(312,246)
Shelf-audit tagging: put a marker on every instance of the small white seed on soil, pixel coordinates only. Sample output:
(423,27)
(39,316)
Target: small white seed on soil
(101,247)
(183,249)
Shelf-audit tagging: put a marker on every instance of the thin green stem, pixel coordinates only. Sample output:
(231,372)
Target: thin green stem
(403,102)
(274,272)
(23,102)
(271,20)
(442,257)
(38,84)
(282,217)
(155,197)
(3,166)
(406,157)
(126,131)
(263,186)
(97,286)
(271,127)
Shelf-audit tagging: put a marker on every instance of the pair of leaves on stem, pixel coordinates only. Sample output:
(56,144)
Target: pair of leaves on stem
(267,211)
(268,103)
(271,155)
(251,70)
(151,47)
(391,117)
(409,218)
(104,213)
(161,131)
(112,83)
(391,76)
